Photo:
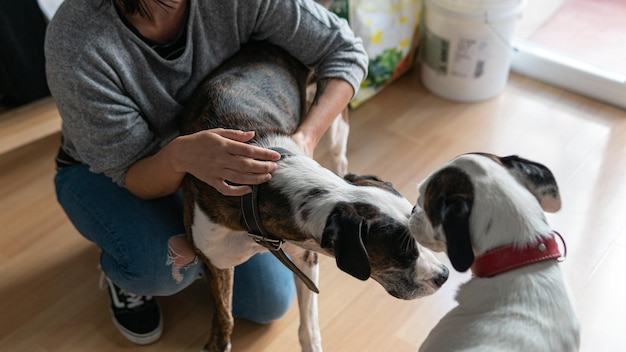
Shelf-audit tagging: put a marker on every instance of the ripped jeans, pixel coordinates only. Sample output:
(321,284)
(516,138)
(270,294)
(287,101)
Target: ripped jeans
(144,249)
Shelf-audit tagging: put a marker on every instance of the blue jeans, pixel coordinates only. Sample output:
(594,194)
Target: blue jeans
(134,235)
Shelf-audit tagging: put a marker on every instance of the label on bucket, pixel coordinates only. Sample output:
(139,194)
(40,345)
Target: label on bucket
(468,60)
(436,52)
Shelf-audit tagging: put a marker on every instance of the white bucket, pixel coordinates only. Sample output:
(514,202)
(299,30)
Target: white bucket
(467,47)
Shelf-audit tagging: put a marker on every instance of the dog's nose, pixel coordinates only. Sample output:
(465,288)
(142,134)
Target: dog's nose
(441,279)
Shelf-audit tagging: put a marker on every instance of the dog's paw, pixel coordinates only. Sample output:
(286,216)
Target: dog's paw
(212,348)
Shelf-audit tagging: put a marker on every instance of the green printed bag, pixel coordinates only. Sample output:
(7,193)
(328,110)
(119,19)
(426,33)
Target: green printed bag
(390,33)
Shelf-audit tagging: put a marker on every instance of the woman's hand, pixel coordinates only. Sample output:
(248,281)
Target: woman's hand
(218,157)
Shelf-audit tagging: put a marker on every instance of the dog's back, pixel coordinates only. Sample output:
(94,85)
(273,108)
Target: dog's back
(525,310)
(261,88)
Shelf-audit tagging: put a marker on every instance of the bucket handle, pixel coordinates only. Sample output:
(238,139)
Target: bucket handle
(481,15)
(488,19)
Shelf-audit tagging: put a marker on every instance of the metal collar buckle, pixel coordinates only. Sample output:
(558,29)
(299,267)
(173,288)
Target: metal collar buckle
(269,243)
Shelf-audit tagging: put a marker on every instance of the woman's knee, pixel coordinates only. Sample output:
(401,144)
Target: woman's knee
(263,290)
(154,278)
(144,248)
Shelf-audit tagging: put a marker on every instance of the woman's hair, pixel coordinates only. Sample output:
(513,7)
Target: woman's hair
(140,7)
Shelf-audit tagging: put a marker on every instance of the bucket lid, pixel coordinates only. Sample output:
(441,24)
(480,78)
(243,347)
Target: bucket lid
(479,9)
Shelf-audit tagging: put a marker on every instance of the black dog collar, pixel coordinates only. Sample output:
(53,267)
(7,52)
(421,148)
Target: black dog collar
(252,219)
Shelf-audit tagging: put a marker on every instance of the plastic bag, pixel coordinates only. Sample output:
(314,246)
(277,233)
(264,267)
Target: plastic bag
(390,33)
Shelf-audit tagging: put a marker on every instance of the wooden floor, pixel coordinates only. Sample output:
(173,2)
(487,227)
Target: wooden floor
(49,296)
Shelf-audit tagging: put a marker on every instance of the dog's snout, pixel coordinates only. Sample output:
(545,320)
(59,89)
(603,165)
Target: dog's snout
(441,279)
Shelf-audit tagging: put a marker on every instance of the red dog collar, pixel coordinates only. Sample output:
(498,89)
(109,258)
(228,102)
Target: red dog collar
(506,258)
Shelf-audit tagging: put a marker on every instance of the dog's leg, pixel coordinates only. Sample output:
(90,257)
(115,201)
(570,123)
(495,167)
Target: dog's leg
(309,330)
(337,137)
(221,284)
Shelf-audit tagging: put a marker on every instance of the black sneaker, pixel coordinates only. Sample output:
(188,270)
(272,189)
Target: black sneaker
(138,318)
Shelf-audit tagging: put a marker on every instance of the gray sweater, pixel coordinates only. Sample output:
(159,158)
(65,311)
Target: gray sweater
(119,99)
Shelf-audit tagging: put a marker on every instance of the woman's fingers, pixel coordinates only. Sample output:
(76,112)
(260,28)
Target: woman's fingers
(222,159)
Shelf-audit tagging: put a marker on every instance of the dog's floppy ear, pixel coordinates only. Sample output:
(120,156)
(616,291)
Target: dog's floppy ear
(455,215)
(537,178)
(344,233)
(370,180)
(448,202)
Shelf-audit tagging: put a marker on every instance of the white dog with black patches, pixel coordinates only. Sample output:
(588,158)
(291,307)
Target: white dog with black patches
(487,212)
(304,209)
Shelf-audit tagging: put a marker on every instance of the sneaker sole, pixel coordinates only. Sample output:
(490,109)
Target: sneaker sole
(140,339)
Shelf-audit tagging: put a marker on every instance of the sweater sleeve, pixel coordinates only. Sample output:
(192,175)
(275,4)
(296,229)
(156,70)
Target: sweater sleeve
(102,126)
(314,35)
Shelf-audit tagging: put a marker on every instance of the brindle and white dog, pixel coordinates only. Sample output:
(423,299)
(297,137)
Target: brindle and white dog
(360,220)
(487,212)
